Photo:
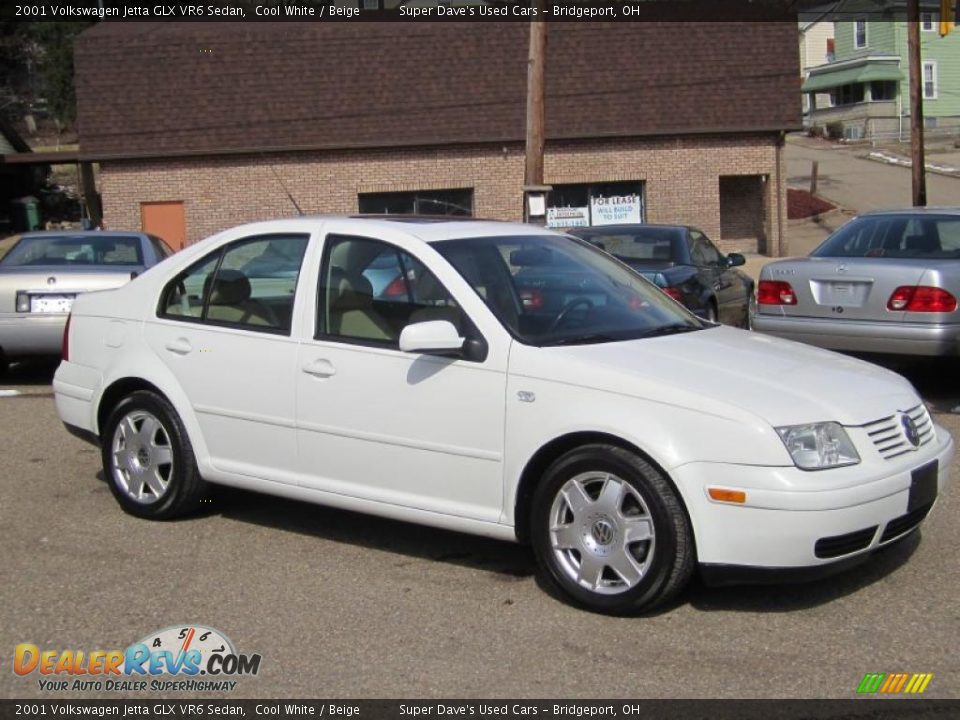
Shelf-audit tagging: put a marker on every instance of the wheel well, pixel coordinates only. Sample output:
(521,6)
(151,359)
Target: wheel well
(116,392)
(546,455)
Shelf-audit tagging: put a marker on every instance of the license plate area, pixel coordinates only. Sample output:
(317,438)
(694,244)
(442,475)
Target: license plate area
(923,485)
(51,303)
(845,293)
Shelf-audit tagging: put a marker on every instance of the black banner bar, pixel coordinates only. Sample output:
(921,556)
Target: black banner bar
(859,709)
(440,11)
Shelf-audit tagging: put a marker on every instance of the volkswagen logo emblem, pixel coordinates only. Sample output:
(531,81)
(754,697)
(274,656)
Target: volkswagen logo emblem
(910,430)
(51,280)
(602,532)
(841,268)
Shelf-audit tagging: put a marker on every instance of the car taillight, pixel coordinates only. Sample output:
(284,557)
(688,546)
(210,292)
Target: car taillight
(921,298)
(65,347)
(674,293)
(398,288)
(775,292)
(532,299)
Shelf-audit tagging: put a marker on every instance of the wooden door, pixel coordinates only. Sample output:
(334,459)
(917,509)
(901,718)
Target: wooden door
(166,220)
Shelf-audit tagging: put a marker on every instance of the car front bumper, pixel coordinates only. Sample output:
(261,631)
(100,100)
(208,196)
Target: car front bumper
(27,334)
(779,530)
(896,338)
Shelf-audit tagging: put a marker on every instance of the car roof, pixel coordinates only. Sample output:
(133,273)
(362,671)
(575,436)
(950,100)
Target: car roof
(628,228)
(81,233)
(914,211)
(426,228)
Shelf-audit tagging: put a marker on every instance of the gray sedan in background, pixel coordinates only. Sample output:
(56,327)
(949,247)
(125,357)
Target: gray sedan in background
(44,271)
(886,282)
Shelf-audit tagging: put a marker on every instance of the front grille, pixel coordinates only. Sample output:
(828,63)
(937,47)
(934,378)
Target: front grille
(888,436)
(831,547)
(905,523)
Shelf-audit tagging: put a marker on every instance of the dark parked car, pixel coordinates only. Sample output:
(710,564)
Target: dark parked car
(683,262)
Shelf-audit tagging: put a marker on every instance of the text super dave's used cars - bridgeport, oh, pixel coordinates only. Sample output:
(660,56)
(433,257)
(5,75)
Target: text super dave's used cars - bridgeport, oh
(628,441)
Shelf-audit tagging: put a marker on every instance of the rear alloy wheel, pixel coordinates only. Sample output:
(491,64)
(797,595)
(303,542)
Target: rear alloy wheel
(610,532)
(148,459)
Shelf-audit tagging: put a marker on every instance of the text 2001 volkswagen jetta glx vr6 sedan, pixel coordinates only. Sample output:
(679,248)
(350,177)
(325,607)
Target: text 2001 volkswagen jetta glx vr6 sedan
(621,436)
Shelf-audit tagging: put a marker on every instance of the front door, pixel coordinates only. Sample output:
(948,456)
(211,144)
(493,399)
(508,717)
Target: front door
(414,430)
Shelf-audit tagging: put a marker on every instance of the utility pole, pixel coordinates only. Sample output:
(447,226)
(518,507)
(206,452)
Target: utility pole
(916,104)
(534,191)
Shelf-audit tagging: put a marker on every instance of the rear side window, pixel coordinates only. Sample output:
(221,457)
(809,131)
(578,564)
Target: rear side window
(249,283)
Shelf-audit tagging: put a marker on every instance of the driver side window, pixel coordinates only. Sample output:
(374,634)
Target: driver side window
(369,291)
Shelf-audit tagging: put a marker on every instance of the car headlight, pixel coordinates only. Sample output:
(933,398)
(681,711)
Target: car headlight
(818,446)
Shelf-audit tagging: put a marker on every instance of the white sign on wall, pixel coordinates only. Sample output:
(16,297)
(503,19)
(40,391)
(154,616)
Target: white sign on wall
(564,217)
(616,210)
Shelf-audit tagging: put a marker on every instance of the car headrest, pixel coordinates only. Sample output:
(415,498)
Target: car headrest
(349,291)
(229,287)
(921,243)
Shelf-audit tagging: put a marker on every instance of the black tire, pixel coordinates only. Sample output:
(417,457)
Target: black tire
(669,557)
(166,489)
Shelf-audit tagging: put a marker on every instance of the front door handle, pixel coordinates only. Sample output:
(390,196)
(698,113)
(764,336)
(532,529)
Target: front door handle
(320,368)
(180,346)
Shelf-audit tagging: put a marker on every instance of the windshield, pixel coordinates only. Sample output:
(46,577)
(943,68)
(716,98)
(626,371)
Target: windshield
(895,236)
(554,290)
(74,251)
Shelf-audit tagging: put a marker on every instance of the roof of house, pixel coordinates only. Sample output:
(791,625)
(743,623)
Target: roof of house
(161,89)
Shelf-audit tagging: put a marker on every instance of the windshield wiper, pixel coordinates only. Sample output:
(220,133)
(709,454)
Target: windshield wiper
(672,329)
(582,340)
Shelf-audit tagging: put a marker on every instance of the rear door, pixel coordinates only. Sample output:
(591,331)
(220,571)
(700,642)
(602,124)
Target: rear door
(716,278)
(223,328)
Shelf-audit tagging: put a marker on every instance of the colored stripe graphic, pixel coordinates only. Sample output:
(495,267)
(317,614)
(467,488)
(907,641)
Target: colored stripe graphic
(871,682)
(894,683)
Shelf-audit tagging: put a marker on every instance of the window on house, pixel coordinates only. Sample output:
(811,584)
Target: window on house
(928,21)
(929,80)
(883,90)
(847,94)
(420,202)
(860,33)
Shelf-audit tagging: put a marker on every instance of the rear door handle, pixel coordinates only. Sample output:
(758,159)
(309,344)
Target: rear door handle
(320,368)
(180,346)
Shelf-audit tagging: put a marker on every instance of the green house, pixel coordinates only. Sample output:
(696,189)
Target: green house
(867,82)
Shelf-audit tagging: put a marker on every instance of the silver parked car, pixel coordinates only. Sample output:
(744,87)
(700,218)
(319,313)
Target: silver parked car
(886,282)
(44,271)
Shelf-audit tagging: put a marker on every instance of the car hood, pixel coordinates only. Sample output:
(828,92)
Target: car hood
(727,371)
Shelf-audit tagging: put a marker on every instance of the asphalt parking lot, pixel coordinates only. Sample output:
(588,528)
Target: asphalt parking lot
(344,605)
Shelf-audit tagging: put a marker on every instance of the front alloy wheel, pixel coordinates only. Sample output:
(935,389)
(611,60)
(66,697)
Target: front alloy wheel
(609,531)
(601,533)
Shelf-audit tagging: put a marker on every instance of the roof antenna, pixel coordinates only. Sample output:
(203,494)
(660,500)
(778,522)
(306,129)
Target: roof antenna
(287,191)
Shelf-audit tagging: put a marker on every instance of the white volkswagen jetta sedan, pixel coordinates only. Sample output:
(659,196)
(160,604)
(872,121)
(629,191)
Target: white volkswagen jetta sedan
(504,380)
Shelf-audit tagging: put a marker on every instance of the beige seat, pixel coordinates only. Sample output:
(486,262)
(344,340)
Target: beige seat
(430,292)
(351,308)
(230,301)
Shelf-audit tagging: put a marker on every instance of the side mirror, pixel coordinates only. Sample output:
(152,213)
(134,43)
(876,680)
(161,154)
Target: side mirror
(736,259)
(431,337)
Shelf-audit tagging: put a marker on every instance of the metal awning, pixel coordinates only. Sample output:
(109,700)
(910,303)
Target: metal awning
(849,76)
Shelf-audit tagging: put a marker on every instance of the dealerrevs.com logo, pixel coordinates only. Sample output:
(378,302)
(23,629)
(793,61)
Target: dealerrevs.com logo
(186,658)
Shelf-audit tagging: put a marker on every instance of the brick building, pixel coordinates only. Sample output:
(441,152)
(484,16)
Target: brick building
(198,127)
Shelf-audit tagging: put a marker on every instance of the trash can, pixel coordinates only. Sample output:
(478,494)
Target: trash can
(25,214)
